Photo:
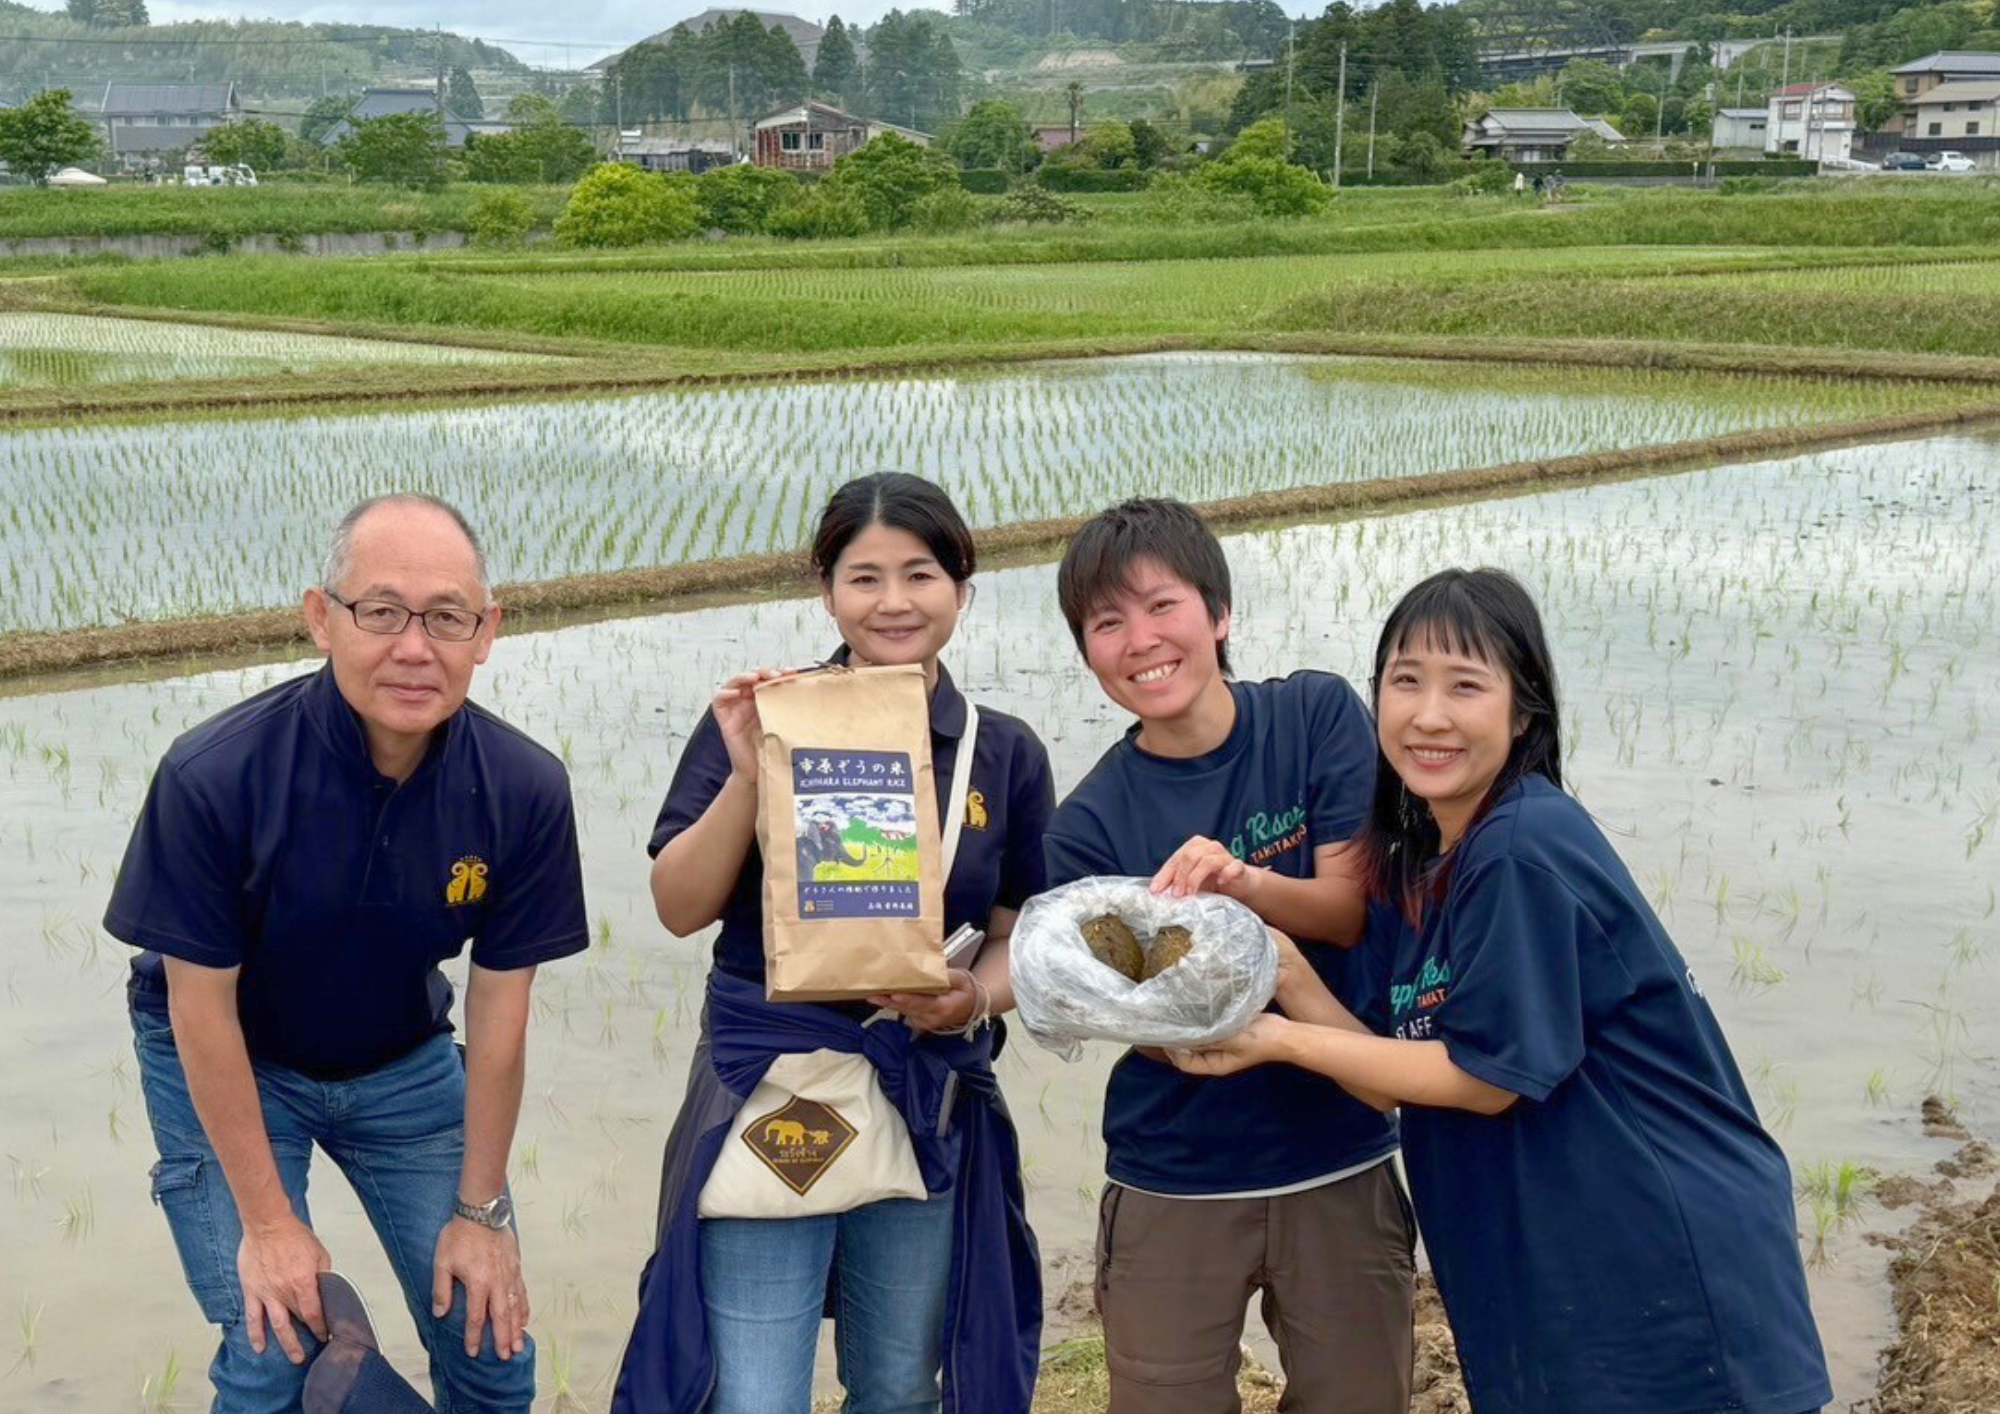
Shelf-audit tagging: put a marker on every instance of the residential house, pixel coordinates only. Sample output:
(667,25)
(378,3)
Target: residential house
(1918,77)
(1739,130)
(1963,116)
(674,154)
(813,136)
(1050,136)
(1532,134)
(1814,121)
(146,121)
(385,102)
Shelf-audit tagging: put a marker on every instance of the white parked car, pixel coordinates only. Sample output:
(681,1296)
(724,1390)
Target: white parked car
(1949,162)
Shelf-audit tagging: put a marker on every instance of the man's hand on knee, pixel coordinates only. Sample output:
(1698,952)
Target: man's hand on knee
(279,1266)
(487,1262)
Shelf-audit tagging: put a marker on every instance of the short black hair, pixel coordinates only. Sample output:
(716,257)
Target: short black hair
(1101,557)
(901,502)
(1485,614)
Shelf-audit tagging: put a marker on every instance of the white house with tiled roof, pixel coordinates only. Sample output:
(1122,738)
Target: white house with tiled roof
(1813,121)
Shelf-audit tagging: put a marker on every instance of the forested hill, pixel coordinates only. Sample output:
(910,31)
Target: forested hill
(1004,33)
(1875,32)
(265,59)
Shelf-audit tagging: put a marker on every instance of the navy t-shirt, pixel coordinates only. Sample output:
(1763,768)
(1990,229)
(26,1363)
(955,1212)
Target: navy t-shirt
(1622,1239)
(1295,773)
(1009,797)
(269,842)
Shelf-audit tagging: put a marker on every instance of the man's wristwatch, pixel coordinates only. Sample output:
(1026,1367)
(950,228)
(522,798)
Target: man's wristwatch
(498,1214)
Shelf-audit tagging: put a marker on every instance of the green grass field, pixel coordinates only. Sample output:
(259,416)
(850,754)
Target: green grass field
(1806,272)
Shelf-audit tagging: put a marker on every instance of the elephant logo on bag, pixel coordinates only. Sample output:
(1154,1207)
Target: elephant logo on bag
(975,810)
(800,1141)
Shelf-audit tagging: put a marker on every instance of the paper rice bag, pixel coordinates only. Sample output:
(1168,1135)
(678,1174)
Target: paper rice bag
(847,820)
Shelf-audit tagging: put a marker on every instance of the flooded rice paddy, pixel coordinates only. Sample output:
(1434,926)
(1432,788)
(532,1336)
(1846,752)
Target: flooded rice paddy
(1781,685)
(79,350)
(111,523)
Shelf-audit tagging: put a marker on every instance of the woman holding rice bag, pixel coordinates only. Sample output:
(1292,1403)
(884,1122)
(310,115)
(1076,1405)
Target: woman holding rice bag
(922,1253)
(1611,1228)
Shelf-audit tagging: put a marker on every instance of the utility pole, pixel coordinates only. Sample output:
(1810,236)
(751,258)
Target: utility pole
(1291,56)
(1374,96)
(735,133)
(1340,113)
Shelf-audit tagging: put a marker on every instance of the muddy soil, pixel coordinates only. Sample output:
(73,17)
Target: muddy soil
(1945,1277)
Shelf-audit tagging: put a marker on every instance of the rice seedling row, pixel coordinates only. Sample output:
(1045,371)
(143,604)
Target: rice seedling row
(110,524)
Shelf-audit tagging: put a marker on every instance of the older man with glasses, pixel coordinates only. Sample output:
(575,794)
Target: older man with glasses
(302,864)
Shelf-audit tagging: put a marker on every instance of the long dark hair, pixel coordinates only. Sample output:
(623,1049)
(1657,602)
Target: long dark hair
(1484,614)
(901,502)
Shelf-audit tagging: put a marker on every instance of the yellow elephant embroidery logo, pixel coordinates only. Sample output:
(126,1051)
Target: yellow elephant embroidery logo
(799,1142)
(975,810)
(468,881)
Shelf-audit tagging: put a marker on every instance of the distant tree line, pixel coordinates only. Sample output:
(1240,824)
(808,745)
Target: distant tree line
(1222,29)
(910,75)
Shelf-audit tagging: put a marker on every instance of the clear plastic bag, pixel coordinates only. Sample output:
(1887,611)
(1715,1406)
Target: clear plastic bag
(1065,996)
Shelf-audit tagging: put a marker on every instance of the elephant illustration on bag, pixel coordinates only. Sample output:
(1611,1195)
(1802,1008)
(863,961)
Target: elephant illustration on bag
(786,1133)
(820,1136)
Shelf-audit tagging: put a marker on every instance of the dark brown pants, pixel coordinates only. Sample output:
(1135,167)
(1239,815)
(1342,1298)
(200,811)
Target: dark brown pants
(1335,1265)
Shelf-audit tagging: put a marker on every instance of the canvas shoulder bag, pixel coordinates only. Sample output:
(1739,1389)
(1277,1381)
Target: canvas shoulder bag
(817,1135)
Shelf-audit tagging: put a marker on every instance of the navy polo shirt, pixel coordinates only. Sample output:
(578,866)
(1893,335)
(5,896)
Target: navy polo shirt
(1622,1239)
(1009,798)
(1295,773)
(269,842)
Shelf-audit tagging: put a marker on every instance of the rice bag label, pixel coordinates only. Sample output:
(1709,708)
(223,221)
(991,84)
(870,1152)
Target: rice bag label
(856,819)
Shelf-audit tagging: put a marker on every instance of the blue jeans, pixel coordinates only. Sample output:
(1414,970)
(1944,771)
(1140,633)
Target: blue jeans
(398,1133)
(763,1284)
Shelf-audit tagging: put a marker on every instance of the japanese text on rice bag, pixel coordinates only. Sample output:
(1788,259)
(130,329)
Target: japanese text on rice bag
(847,821)
(1108,959)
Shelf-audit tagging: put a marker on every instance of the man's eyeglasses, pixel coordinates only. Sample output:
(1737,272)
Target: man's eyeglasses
(386,618)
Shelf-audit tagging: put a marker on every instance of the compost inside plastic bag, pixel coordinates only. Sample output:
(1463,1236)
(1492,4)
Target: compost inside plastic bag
(1065,995)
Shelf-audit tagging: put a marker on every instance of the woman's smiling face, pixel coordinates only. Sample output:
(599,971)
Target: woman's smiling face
(1446,723)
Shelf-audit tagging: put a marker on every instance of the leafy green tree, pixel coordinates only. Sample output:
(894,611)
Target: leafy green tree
(500,217)
(1875,98)
(121,14)
(1641,114)
(1149,144)
(580,106)
(250,141)
(834,63)
(1591,87)
(618,205)
(889,176)
(1255,169)
(1422,156)
(461,95)
(991,134)
(825,212)
(541,148)
(401,149)
(742,199)
(913,75)
(324,113)
(46,133)
(1267,139)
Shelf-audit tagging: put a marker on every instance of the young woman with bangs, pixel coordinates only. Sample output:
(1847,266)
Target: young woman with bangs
(1611,1228)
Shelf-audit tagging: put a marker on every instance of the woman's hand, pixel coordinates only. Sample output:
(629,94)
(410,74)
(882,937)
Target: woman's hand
(944,1011)
(1261,1041)
(1294,972)
(735,709)
(1203,863)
